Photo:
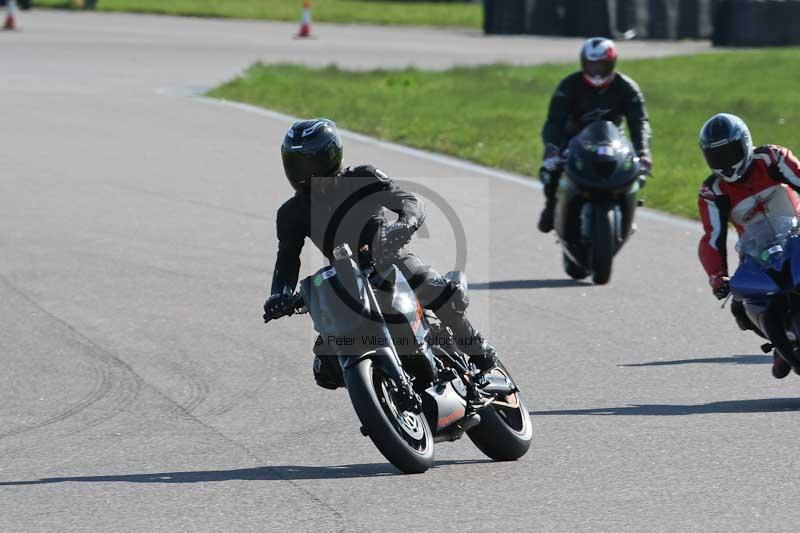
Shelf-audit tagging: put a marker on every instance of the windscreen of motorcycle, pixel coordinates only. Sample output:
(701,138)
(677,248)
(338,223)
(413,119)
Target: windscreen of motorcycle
(398,302)
(600,157)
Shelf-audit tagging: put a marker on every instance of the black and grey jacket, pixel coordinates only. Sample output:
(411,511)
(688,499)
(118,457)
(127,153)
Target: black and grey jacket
(345,209)
(575,104)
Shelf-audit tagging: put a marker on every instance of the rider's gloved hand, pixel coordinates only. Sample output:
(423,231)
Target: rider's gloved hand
(551,159)
(720,286)
(396,236)
(646,163)
(278,305)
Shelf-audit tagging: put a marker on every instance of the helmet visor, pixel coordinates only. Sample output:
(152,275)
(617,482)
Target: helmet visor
(598,69)
(725,159)
(301,167)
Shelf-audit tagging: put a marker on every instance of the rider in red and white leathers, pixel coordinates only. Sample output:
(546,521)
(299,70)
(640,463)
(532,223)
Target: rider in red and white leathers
(746,181)
(771,184)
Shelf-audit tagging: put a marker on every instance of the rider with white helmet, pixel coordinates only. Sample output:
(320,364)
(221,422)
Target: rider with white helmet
(596,92)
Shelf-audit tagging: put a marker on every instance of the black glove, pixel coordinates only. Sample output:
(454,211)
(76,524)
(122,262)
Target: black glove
(395,237)
(551,159)
(721,287)
(278,305)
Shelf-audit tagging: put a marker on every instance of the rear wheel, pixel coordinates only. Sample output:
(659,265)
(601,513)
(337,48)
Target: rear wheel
(505,431)
(795,345)
(604,244)
(403,437)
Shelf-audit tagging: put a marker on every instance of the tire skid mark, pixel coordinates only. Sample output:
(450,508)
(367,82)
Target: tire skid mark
(124,390)
(304,434)
(237,399)
(232,401)
(199,389)
(113,379)
(111,361)
(100,388)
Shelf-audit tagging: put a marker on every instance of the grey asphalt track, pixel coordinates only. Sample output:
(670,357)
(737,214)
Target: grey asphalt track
(139,390)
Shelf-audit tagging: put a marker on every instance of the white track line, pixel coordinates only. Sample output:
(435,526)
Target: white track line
(525,181)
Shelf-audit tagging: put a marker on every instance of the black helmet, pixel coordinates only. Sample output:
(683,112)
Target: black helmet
(600,155)
(727,146)
(311,148)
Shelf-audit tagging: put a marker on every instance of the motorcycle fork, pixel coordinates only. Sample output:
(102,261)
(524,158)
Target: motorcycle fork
(774,326)
(388,361)
(623,219)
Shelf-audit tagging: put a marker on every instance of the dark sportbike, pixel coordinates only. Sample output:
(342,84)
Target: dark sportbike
(596,200)
(409,384)
(767,282)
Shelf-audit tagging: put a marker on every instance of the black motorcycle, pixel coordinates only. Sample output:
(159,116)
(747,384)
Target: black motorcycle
(597,198)
(408,382)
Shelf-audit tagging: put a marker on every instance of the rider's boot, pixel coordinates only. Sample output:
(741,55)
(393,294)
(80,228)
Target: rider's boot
(480,352)
(780,368)
(467,339)
(547,218)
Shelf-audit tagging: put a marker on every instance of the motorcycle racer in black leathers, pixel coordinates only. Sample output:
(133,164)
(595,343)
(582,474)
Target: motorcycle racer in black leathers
(596,92)
(332,205)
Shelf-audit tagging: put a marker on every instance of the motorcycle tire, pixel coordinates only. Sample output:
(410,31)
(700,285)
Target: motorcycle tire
(604,241)
(404,438)
(505,431)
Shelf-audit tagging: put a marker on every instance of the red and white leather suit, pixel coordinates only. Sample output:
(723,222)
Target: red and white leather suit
(770,185)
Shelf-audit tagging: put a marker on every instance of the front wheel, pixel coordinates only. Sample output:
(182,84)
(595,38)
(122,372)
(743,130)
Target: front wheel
(573,269)
(505,431)
(403,437)
(604,244)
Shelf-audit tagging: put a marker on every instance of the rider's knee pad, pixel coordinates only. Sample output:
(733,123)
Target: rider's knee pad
(457,286)
(459,299)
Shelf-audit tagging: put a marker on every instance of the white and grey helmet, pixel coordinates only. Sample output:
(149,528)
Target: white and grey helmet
(727,146)
(598,61)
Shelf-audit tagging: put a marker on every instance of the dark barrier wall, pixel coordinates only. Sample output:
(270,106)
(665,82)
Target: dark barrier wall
(732,22)
(663,19)
(694,18)
(547,17)
(634,15)
(588,17)
(756,23)
(504,16)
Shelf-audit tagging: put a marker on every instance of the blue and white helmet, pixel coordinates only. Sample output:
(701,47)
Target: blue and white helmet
(727,146)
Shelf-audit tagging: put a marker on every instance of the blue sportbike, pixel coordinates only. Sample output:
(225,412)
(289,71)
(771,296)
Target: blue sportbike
(767,282)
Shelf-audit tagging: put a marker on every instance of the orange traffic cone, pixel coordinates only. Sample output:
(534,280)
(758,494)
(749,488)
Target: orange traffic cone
(11,22)
(305,20)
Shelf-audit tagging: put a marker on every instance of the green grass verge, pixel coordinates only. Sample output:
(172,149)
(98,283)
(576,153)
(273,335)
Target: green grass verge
(347,11)
(493,114)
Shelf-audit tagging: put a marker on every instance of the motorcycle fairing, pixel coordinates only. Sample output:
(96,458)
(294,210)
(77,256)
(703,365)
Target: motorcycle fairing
(448,405)
(331,294)
(573,219)
(751,282)
(793,255)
